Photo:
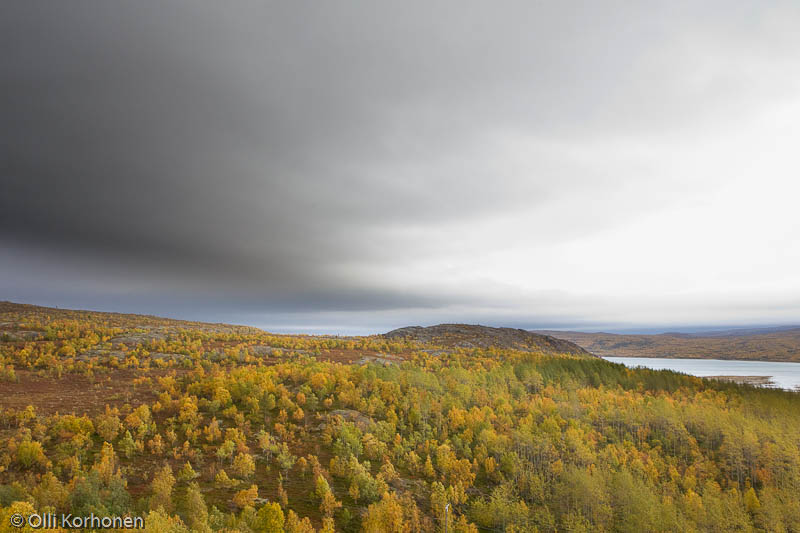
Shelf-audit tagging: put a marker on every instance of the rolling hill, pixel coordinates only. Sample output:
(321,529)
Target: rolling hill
(767,344)
(472,336)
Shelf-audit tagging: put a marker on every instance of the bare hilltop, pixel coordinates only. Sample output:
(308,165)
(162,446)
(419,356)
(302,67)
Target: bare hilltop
(473,336)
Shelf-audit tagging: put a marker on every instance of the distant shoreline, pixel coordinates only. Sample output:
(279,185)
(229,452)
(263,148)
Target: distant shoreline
(750,345)
(760,381)
(768,374)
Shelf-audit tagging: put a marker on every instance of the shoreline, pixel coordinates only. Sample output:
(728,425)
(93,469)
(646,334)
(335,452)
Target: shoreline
(760,381)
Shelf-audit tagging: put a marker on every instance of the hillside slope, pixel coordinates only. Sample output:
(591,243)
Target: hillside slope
(474,336)
(209,427)
(776,345)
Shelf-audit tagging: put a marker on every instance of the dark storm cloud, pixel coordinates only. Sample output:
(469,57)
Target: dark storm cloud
(297,156)
(232,143)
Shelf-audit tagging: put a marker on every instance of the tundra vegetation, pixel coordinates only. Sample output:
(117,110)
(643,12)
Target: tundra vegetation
(207,427)
(767,344)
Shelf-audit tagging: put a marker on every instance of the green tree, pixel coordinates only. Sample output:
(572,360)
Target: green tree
(270,518)
(195,510)
(161,487)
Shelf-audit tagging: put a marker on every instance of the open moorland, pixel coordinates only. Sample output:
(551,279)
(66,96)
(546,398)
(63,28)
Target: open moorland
(212,427)
(759,344)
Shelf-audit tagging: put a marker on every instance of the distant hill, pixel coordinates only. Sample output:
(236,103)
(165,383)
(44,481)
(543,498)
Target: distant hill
(740,332)
(472,336)
(21,323)
(13,315)
(765,344)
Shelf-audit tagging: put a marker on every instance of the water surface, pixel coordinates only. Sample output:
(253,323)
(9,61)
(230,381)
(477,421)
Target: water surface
(784,375)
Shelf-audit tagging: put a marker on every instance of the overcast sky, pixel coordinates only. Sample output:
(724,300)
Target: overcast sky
(357,166)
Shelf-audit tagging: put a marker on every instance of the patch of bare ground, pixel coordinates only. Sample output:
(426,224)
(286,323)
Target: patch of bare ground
(360,356)
(76,393)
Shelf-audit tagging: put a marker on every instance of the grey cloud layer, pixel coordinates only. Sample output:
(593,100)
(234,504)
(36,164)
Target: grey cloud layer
(269,155)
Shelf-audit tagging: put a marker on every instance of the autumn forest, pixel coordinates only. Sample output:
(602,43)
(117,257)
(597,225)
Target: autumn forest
(207,427)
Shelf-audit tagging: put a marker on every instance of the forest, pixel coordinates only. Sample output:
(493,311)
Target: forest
(207,427)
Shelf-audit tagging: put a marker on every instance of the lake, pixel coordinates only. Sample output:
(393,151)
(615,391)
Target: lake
(784,375)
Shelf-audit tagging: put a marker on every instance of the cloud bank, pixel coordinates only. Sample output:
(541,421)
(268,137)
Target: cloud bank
(363,166)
